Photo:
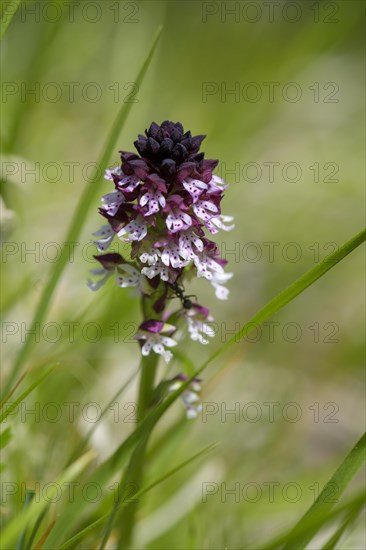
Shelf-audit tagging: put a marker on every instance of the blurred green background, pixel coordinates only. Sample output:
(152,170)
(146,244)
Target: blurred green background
(278,89)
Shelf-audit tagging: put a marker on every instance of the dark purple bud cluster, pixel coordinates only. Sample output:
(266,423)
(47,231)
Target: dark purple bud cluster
(174,153)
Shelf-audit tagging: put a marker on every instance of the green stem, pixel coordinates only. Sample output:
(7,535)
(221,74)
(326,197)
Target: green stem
(132,478)
(135,469)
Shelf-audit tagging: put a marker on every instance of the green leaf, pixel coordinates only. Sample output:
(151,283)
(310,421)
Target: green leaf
(350,518)
(317,522)
(14,404)
(83,443)
(100,521)
(287,295)
(323,503)
(5,437)
(8,11)
(18,524)
(79,217)
(29,496)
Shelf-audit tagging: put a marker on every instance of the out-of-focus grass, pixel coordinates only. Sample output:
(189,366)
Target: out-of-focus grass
(313,357)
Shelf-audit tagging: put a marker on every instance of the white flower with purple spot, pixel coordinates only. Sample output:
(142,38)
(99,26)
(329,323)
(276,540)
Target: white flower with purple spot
(190,396)
(206,266)
(194,188)
(154,200)
(136,230)
(106,236)
(153,336)
(110,263)
(157,269)
(104,276)
(171,256)
(216,184)
(178,220)
(219,222)
(128,276)
(129,183)
(150,256)
(188,240)
(112,202)
(109,173)
(199,323)
(205,209)
(221,292)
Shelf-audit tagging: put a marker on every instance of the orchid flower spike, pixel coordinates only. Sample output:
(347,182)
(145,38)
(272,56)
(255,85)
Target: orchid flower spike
(165,204)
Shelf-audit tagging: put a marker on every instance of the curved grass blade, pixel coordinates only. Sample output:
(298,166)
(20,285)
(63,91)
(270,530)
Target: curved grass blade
(29,496)
(17,524)
(80,215)
(43,538)
(36,526)
(37,65)
(13,406)
(8,11)
(287,295)
(12,390)
(88,435)
(100,521)
(5,437)
(350,518)
(323,504)
(317,522)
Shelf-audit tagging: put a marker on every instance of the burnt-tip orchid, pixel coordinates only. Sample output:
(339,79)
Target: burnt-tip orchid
(165,203)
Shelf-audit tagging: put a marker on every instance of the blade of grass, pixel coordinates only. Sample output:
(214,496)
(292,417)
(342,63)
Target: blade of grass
(45,37)
(12,390)
(316,522)
(80,215)
(86,438)
(76,538)
(36,526)
(287,295)
(13,406)
(114,463)
(340,479)
(17,524)
(7,15)
(29,496)
(43,539)
(5,437)
(350,518)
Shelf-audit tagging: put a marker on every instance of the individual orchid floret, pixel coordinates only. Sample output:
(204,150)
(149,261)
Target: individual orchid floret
(109,263)
(129,276)
(221,292)
(153,335)
(190,396)
(136,230)
(199,322)
(218,222)
(106,236)
(157,270)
